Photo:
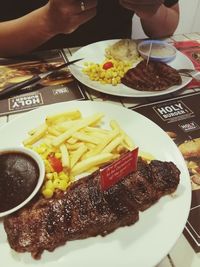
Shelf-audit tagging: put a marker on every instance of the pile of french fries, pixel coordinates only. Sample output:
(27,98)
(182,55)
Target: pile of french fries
(80,143)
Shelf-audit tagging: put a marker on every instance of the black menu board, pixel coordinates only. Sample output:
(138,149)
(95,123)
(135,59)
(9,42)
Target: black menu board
(180,118)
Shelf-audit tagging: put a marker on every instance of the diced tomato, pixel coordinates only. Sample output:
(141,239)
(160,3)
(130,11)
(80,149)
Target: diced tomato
(107,65)
(55,163)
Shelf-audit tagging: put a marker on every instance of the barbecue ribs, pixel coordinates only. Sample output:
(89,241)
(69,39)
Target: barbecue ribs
(85,211)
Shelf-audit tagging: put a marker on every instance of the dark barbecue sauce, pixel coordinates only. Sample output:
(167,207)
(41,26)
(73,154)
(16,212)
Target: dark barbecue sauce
(19,175)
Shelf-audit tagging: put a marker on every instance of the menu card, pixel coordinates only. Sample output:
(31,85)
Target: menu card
(57,87)
(180,118)
(192,50)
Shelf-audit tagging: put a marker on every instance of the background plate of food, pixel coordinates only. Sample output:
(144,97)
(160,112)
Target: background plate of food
(105,63)
(136,245)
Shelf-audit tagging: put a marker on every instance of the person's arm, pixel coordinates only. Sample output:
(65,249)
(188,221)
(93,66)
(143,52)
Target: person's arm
(163,23)
(157,20)
(24,34)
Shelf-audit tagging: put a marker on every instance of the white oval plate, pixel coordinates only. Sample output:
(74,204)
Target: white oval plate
(95,52)
(143,244)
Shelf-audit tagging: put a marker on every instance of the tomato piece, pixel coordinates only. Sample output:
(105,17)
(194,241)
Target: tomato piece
(107,65)
(55,163)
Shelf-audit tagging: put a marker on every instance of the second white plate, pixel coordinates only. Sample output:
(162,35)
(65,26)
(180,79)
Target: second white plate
(95,52)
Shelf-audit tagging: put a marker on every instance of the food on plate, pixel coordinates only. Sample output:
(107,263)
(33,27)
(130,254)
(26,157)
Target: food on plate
(123,50)
(109,72)
(19,177)
(159,50)
(72,145)
(119,57)
(191,153)
(172,135)
(84,210)
(190,148)
(18,72)
(196,179)
(57,78)
(154,76)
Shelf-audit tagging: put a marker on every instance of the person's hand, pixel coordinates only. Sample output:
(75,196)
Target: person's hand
(65,16)
(143,8)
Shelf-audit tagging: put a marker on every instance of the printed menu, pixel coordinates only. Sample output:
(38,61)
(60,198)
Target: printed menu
(57,87)
(180,119)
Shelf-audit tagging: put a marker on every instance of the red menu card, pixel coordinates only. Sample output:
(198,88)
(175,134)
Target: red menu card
(114,172)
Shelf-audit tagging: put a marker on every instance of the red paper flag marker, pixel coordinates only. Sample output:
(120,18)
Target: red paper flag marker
(114,172)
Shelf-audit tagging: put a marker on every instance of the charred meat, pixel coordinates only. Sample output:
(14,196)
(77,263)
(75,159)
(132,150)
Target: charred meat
(154,76)
(84,210)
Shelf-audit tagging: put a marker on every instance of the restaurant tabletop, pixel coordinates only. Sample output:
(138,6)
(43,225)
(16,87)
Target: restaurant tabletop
(182,254)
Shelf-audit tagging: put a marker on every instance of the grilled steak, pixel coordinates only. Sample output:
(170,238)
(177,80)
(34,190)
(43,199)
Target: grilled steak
(85,211)
(155,76)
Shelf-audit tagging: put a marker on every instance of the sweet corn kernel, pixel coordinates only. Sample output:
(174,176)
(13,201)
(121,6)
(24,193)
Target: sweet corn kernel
(55,175)
(49,184)
(58,155)
(56,183)
(96,72)
(47,192)
(64,177)
(49,175)
(48,167)
(60,184)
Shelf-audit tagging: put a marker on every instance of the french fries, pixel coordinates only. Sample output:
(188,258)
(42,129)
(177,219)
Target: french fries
(64,156)
(75,145)
(85,122)
(126,139)
(78,154)
(36,136)
(91,162)
(61,117)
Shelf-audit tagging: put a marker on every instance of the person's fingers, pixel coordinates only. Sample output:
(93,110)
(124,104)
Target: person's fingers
(79,6)
(65,16)
(88,4)
(79,19)
(87,15)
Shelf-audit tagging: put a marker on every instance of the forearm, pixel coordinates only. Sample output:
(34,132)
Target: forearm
(162,24)
(22,35)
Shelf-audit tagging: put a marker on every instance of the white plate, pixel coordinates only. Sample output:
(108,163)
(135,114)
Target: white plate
(143,244)
(96,53)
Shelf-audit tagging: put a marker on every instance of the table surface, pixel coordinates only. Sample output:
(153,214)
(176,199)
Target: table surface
(182,254)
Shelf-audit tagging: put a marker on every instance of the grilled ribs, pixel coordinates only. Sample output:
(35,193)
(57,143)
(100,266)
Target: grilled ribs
(84,210)
(154,76)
